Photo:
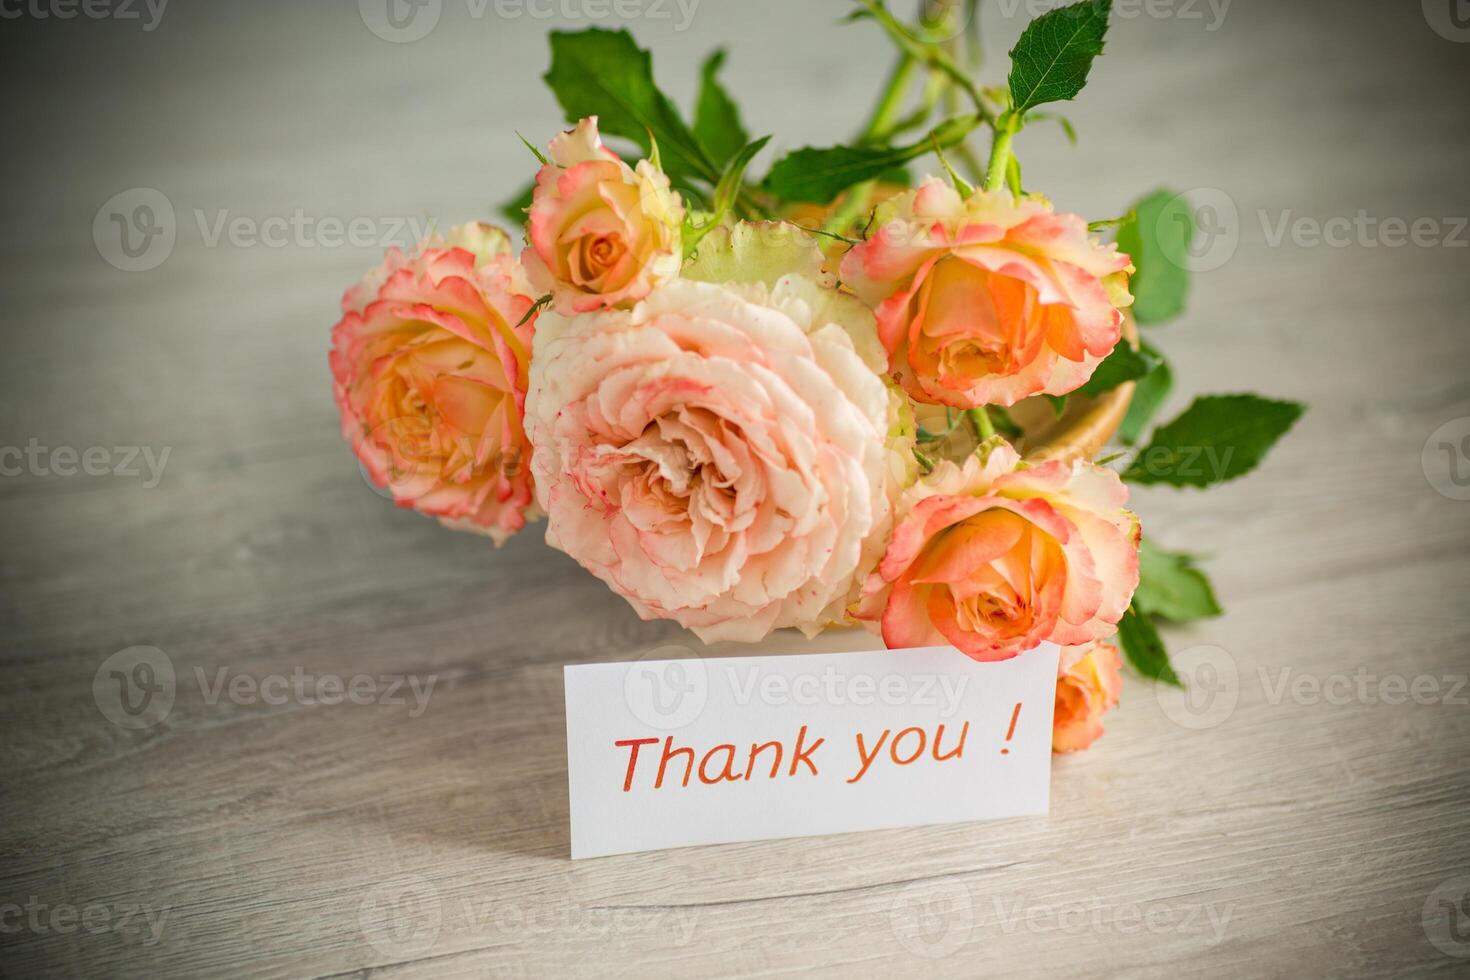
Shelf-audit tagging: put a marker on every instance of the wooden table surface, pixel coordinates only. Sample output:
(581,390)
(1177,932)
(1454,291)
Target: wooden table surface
(1302,816)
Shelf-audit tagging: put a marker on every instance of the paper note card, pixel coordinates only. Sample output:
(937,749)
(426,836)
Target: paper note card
(671,753)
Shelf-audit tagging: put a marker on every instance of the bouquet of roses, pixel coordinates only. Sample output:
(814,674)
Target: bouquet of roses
(810,400)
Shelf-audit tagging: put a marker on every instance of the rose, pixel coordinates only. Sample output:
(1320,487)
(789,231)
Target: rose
(430,363)
(725,454)
(996,556)
(1088,683)
(601,233)
(988,300)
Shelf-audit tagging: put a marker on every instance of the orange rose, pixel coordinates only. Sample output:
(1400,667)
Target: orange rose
(998,556)
(1087,685)
(990,299)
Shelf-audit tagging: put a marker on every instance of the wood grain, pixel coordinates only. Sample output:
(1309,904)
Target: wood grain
(1294,837)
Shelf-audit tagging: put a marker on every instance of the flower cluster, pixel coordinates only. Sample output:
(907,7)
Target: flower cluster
(728,441)
(830,397)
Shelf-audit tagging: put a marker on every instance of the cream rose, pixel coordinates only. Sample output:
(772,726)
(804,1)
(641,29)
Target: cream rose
(430,363)
(725,454)
(602,234)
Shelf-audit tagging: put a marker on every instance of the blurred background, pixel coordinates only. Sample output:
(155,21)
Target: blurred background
(187,188)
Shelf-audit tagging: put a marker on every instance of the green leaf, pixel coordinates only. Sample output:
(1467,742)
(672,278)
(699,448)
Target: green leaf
(1169,585)
(604,74)
(1218,438)
(1158,239)
(514,210)
(1003,422)
(1051,60)
(1058,403)
(726,193)
(1123,364)
(817,176)
(733,178)
(535,151)
(1144,648)
(899,176)
(717,123)
(1148,395)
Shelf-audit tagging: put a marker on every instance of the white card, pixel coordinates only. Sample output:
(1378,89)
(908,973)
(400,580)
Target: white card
(766,747)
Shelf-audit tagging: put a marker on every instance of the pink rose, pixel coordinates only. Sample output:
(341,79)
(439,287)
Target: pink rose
(602,234)
(990,299)
(430,364)
(1087,686)
(997,556)
(724,455)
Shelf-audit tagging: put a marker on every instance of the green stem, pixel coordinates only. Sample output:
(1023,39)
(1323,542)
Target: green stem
(1000,152)
(890,101)
(929,54)
(980,419)
(852,207)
